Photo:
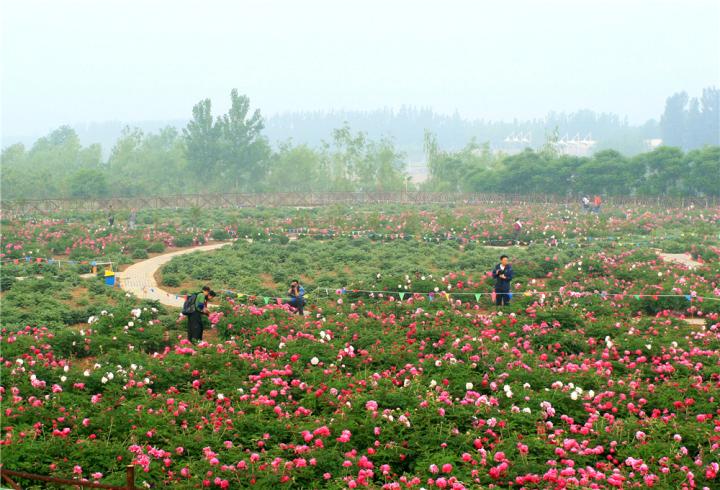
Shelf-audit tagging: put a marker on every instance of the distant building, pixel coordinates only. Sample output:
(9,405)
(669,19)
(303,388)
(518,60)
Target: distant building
(515,143)
(579,147)
(652,143)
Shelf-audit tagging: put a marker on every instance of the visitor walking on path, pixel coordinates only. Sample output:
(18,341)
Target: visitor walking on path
(597,202)
(503,274)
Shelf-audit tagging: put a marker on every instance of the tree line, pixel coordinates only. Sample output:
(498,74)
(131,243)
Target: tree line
(665,171)
(691,123)
(408,124)
(231,153)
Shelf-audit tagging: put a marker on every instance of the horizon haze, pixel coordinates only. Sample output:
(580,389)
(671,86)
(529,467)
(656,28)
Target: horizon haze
(138,61)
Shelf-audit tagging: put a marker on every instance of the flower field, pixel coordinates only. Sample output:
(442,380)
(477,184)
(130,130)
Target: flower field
(603,372)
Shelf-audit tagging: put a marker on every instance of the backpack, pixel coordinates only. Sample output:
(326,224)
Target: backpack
(189,305)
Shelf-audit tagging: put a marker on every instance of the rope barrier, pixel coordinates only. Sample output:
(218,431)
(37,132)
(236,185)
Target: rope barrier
(477,295)
(51,261)
(140,284)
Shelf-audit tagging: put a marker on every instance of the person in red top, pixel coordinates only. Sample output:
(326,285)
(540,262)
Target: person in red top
(597,201)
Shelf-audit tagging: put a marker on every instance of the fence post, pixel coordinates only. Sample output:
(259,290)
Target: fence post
(130,477)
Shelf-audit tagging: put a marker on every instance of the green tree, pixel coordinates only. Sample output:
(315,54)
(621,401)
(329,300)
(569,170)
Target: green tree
(231,151)
(607,172)
(345,158)
(710,117)
(202,137)
(88,182)
(672,122)
(702,171)
(126,170)
(389,166)
(464,170)
(14,183)
(295,169)
(661,172)
(41,171)
(243,150)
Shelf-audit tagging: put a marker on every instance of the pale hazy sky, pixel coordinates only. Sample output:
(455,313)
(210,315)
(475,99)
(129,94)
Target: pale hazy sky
(65,62)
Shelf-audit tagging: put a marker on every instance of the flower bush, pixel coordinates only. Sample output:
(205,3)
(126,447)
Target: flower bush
(593,377)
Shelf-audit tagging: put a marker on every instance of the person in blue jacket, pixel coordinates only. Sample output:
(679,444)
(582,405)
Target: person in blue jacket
(297,296)
(503,274)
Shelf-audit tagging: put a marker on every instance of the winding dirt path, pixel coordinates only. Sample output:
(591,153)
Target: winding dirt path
(139,278)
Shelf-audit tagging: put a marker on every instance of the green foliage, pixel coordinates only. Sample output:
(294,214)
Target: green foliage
(183,241)
(170,280)
(220,235)
(20,304)
(88,182)
(156,248)
(139,253)
(6,282)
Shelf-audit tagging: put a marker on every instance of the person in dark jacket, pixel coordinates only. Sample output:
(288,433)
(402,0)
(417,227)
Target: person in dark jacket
(297,297)
(503,274)
(195,320)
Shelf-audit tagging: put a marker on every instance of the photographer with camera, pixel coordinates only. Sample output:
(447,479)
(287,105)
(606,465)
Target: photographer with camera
(194,308)
(503,274)
(297,296)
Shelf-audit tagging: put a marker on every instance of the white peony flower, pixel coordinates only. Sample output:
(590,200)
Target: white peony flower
(314,361)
